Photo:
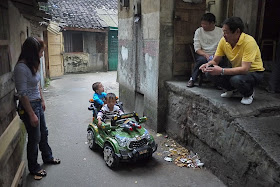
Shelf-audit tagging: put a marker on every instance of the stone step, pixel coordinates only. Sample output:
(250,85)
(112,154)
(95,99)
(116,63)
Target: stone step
(239,143)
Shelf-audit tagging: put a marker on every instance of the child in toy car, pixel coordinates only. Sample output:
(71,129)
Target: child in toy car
(108,110)
(99,95)
(121,136)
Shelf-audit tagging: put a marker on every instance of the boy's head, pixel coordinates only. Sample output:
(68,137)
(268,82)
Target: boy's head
(97,87)
(111,100)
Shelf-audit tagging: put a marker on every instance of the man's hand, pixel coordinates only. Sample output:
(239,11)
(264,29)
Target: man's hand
(214,70)
(207,56)
(204,67)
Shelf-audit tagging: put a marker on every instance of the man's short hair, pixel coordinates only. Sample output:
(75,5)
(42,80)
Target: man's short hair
(234,23)
(209,17)
(95,86)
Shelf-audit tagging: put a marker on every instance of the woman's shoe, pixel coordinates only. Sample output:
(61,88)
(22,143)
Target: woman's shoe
(39,175)
(54,161)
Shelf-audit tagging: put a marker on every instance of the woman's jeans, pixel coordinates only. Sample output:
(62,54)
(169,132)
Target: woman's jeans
(37,135)
(243,83)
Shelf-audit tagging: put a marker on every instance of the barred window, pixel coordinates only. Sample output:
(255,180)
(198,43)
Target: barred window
(5,65)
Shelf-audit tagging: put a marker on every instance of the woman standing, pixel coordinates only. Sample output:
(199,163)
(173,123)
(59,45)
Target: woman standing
(31,102)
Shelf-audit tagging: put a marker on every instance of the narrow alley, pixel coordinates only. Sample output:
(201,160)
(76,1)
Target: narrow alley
(67,118)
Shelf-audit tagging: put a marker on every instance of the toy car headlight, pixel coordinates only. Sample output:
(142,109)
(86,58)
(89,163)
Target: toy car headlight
(122,141)
(146,135)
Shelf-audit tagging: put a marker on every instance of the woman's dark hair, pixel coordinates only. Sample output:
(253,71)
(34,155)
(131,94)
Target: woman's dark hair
(234,23)
(209,17)
(30,53)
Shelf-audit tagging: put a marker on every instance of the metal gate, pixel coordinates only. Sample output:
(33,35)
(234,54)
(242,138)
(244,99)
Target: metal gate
(113,49)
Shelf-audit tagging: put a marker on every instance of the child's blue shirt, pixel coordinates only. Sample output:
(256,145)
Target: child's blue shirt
(99,97)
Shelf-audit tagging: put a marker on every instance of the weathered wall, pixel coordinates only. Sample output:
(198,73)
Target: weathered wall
(224,135)
(6,82)
(218,9)
(94,45)
(11,129)
(166,52)
(76,62)
(151,33)
(18,32)
(93,59)
(126,57)
(247,11)
(140,62)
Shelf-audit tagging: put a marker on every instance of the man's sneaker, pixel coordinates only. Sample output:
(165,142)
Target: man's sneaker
(227,94)
(248,100)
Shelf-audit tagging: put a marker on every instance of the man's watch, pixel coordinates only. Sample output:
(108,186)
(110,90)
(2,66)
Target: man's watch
(223,71)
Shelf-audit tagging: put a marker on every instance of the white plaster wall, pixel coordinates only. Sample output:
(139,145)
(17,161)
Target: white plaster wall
(151,26)
(151,33)
(125,29)
(126,62)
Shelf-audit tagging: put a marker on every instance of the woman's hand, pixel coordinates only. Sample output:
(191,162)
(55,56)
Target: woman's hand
(43,105)
(33,120)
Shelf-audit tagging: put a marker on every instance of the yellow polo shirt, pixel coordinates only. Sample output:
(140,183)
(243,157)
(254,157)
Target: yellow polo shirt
(246,50)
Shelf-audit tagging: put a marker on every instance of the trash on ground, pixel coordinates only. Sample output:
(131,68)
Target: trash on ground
(168,159)
(158,134)
(181,156)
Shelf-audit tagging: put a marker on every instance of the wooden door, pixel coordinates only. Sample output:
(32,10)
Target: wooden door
(56,67)
(186,21)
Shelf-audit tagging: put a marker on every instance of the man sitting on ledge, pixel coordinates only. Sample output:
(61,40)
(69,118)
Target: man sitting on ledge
(205,42)
(244,54)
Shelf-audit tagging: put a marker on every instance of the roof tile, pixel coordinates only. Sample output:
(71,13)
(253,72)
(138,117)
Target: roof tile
(84,13)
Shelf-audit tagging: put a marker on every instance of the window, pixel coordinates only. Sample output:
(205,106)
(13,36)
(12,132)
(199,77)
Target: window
(4,42)
(77,41)
(4,59)
(73,42)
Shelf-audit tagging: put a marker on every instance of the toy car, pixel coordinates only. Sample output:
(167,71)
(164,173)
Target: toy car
(122,139)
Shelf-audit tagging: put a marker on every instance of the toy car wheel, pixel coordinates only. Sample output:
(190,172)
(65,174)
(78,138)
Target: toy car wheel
(91,140)
(110,158)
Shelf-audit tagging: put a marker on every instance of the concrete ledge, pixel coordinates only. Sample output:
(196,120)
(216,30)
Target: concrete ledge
(9,139)
(11,149)
(240,144)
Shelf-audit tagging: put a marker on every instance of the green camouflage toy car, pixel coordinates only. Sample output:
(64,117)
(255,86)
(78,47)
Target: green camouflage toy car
(122,139)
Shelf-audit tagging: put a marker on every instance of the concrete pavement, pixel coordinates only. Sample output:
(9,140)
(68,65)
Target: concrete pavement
(67,119)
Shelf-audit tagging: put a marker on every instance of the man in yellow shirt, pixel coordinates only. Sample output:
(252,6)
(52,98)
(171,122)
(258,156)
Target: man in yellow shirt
(244,54)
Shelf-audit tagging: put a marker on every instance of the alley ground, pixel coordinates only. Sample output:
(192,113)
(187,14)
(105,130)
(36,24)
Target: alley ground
(67,119)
